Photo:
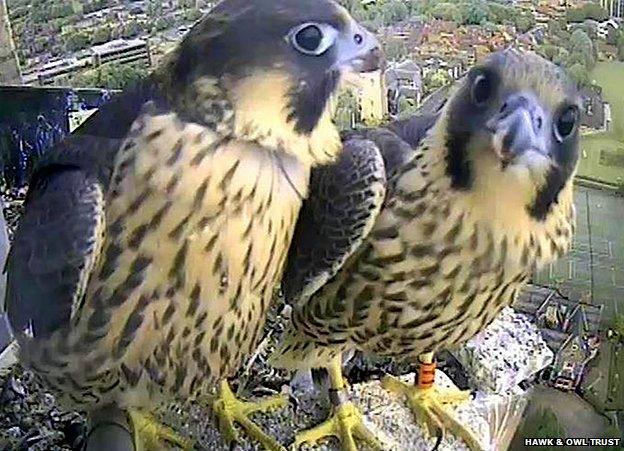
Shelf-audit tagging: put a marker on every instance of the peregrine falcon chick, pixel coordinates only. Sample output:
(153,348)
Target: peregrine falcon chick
(154,237)
(422,232)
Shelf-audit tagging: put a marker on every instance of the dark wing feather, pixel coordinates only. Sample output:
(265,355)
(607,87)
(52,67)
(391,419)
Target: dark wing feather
(60,232)
(345,199)
(414,129)
(342,206)
(52,250)
(434,102)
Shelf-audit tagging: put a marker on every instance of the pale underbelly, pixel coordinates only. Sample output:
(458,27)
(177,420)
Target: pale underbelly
(169,317)
(429,326)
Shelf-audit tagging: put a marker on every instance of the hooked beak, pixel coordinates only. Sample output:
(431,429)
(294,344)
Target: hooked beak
(519,127)
(358,50)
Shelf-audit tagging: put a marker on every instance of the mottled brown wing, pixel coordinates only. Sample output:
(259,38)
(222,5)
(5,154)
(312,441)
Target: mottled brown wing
(58,238)
(342,206)
(53,250)
(414,129)
(345,199)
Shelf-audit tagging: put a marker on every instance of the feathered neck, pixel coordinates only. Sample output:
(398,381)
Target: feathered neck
(253,108)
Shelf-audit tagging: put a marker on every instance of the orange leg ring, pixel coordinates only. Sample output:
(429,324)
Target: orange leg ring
(426,375)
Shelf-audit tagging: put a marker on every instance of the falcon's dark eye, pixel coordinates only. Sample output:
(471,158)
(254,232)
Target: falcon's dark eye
(482,89)
(312,39)
(309,38)
(566,123)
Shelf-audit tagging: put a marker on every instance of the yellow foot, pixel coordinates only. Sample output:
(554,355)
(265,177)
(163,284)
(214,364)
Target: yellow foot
(230,410)
(346,424)
(149,434)
(429,406)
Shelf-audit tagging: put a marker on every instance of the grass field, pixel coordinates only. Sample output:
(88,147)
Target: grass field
(610,76)
(589,165)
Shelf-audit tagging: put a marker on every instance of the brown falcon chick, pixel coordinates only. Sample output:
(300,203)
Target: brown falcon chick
(421,233)
(153,238)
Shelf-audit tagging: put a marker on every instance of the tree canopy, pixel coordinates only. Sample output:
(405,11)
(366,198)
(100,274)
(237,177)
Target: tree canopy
(590,10)
(620,46)
(110,76)
(407,108)
(574,51)
(436,79)
(579,73)
(617,325)
(463,12)
(347,109)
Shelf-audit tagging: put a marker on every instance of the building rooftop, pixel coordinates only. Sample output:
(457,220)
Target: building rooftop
(558,315)
(406,66)
(117,44)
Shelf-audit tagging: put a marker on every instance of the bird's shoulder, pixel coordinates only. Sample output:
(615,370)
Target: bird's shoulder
(344,200)
(93,147)
(398,142)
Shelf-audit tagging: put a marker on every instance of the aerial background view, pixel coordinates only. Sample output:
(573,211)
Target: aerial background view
(60,60)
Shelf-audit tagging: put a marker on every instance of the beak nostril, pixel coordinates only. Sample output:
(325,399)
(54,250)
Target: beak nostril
(523,101)
(539,123)
(358,38)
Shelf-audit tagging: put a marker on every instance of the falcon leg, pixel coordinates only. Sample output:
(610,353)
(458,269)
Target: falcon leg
(149,434)
(345,423)
(429,403)
(230,410)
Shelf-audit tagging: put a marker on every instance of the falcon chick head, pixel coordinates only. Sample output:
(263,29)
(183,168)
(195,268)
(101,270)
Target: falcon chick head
(512,131)
(280,60)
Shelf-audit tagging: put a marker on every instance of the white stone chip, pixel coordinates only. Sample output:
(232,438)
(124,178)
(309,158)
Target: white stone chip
(506,353)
